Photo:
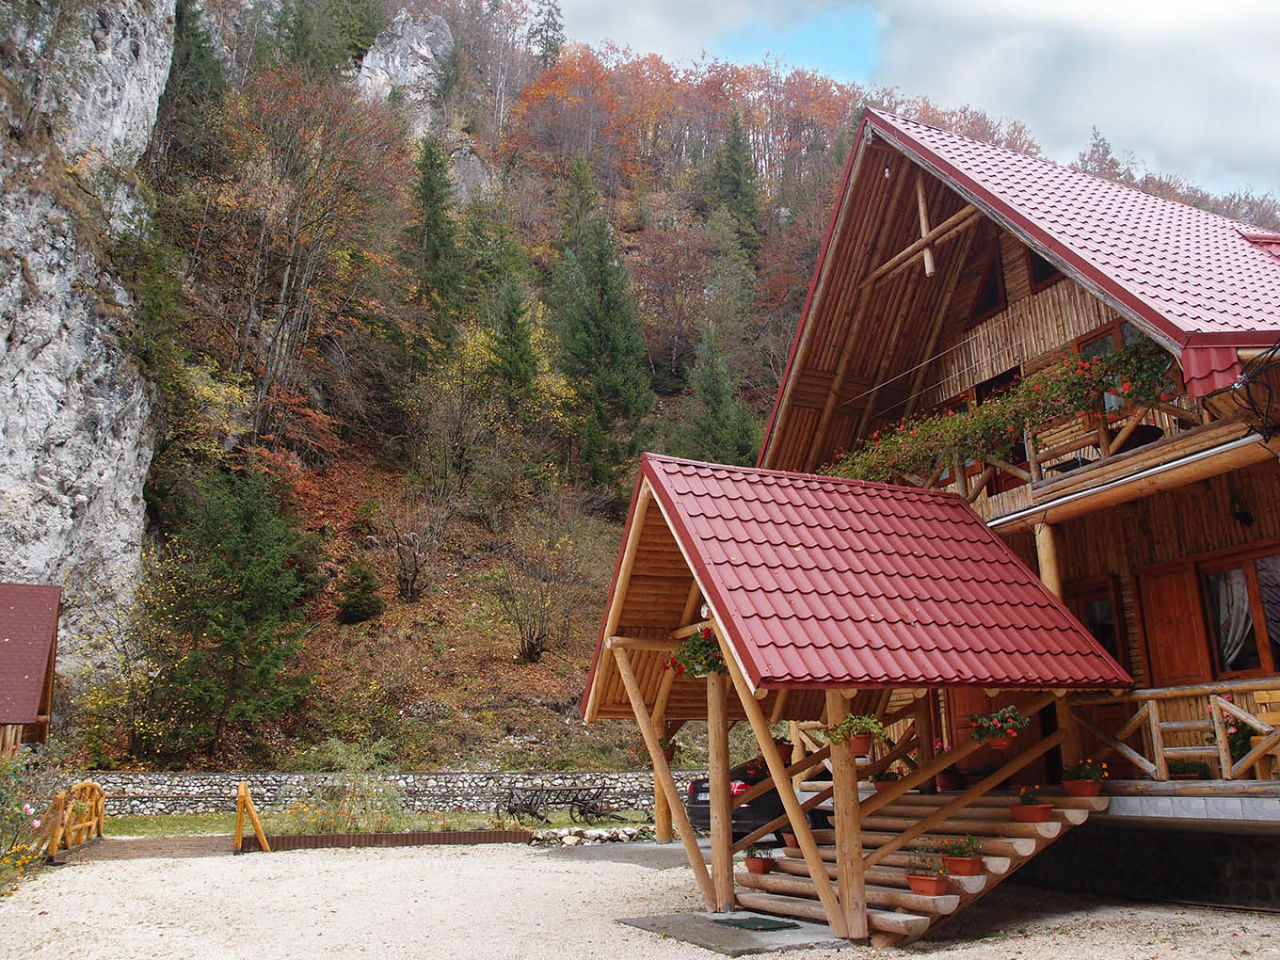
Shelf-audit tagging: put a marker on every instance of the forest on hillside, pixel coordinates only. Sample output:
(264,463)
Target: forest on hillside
(398,421)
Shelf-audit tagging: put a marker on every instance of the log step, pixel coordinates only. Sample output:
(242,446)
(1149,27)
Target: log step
(1097,804)
(884,874)
(1073,816)
(877,896)
(901,924)
(995,865)
(997,828)
(991,846)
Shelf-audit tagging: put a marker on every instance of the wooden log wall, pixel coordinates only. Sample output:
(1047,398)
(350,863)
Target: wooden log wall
(1192,522)
(1031,325)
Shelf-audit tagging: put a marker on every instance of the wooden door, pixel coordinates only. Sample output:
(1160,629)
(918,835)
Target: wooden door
(1177,647)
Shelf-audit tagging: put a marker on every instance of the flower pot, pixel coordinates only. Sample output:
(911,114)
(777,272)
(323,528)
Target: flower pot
(927,884)
(950,779)
(758,864)
(1032,812)
(1082,788)
(860,744)
(963,866)
(1000,743)
(883,785)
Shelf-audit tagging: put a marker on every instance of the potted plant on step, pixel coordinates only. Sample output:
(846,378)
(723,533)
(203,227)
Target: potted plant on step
(927,875)
(962,856)
(998,729)
(698,655)
(1084,779)
(885,779)
(1189,770)
(859,731)
(758,860)
(1029,808)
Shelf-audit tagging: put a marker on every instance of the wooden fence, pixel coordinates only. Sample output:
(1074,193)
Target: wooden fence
(1186,723)
(73,817)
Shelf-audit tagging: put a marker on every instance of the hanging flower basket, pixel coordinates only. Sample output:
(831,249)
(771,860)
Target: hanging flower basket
(859,731)
(1000,743)
(998,729)
(698,655)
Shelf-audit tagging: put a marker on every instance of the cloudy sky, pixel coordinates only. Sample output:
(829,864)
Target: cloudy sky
(1188,87)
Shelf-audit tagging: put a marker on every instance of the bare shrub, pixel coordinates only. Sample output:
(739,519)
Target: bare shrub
(414,526)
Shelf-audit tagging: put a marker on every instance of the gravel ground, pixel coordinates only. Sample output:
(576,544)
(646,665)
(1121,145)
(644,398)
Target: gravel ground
(497,902)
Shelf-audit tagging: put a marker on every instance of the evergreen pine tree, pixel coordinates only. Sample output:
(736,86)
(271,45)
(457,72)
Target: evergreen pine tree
(578,207)
(546,35)
(515,364)
(721,427)
(185,135)
(602,350)
(433,244)
(360,600)
(733,183)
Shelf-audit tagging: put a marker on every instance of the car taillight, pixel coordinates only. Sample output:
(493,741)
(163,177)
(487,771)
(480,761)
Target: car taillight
(693,788)
(736,787)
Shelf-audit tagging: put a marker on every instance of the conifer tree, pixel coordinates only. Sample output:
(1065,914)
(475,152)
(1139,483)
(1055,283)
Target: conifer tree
(546,35)
(515,364)
(602,350)
(721,428)
(579,205)
(733,182)
(433,244)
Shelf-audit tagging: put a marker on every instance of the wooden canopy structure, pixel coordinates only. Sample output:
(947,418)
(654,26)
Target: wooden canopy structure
(825,596)
(28,654)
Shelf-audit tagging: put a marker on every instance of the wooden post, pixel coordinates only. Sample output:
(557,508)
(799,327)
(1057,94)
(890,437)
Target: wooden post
(924,729)
(786,792)
(1051,577)
(662,773)
(922,208)
(237,839)
(849,873)
(661,809)
(721,805)
(253,818)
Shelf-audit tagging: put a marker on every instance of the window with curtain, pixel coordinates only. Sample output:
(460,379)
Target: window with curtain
(1231,620)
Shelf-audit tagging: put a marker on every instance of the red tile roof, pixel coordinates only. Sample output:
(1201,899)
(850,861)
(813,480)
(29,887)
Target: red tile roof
(28,632)
(1197,277)
(821,581)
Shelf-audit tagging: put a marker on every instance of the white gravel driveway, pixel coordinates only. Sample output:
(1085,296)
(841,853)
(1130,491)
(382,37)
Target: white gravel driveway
(497,902)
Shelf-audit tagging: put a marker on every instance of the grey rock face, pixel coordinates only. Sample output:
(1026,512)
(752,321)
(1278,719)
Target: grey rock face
(407,57)
(96,71)
(75,438)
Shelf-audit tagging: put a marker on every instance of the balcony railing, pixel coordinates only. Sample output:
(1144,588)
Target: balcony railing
(1186,723)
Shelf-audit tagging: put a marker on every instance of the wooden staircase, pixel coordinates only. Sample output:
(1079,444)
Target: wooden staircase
(895,915)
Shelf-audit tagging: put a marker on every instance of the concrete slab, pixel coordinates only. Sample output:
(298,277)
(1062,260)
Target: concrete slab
(656,856)
(701,930)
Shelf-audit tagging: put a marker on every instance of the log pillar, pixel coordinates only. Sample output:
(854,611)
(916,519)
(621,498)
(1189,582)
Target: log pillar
(1051,577)
(721,803)
(850,879)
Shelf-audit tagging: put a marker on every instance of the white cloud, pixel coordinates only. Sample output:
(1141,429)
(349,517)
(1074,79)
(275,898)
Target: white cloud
(676,29)
(1189,88)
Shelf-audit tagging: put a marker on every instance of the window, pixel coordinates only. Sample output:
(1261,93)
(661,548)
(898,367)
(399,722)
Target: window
(1242,607)
(1096,604)
(1041,272)
(989,298)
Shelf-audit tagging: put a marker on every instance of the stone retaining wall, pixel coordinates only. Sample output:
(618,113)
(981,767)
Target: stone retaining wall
(157,793)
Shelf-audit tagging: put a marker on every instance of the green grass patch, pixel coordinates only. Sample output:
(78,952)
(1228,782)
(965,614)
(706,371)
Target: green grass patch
(170,825)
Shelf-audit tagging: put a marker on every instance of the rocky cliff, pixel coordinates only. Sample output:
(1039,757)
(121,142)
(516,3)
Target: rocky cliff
(79,86)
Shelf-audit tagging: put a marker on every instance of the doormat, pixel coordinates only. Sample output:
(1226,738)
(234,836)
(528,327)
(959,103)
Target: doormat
(758,923)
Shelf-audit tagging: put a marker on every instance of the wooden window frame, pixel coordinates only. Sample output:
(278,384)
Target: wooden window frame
(993,255)
(1106,587)
(1029,257)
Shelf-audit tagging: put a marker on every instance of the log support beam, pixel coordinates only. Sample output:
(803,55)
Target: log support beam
(848,823)
(721,802)
(1051,577)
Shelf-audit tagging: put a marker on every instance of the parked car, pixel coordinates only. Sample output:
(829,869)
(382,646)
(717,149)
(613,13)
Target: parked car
(753,815)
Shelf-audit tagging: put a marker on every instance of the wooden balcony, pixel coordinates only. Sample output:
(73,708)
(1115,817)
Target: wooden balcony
(1086,462)
(1154,727)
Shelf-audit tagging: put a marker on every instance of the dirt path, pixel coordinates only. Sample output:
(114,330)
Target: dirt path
(141,848)
(499,902)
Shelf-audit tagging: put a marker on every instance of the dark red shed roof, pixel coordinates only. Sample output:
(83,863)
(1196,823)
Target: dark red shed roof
(28,635)
(830,582)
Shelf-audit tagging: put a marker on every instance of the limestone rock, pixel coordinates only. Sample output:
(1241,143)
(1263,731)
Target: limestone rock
(407,59)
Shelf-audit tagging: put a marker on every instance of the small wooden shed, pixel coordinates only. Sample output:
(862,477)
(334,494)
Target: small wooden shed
(28,655)
(829,596)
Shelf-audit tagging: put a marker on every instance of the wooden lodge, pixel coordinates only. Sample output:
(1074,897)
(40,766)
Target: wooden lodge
(28,654)
(957,280)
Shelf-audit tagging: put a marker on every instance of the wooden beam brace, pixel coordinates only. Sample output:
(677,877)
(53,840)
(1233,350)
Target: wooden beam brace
(963,218)
(790,802)
(640,643)
(850,881)
(923,209)
(794,770)
(981,788)
(721,802)
(1119,746)
(662,773)
(638,515)
(819,798)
